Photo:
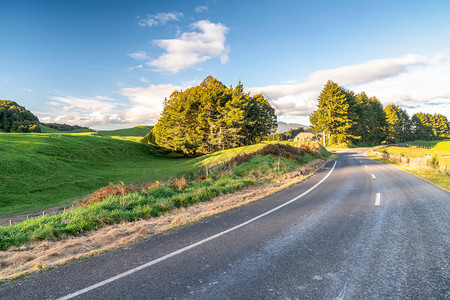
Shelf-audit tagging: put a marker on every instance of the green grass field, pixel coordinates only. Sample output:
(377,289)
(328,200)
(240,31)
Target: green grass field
(440,149)
(138,131)
(45,170)
(152,200)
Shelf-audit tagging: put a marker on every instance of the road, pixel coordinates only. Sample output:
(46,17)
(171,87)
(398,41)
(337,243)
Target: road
(356,229)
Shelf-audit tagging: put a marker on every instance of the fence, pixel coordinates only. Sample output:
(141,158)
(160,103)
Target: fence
(422,162)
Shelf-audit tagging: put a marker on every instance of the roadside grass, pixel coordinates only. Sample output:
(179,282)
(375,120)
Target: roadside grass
(433,176)
(153,200)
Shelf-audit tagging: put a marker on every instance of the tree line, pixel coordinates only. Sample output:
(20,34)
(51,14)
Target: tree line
(361,120)
(212,117)
(64,127)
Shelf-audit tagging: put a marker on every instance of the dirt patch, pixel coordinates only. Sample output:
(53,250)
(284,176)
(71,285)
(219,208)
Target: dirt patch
(40,256)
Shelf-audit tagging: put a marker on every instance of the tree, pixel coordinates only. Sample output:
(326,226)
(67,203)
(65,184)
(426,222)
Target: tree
(398,124)
(211,117)
(422,126)
(333,115)
(371,120)
(15,118)
(440,126)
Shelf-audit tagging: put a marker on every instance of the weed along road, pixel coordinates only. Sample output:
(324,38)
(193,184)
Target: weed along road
(356,229)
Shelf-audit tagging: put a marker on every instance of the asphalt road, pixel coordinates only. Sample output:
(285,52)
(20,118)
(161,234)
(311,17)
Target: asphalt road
(367,231)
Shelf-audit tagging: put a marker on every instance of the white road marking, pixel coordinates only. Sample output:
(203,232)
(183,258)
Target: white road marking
(366,167)
(373,176)
(378,199)
(162,258)
(342,293)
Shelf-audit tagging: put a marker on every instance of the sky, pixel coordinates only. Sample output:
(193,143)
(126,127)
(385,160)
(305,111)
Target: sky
(110,64)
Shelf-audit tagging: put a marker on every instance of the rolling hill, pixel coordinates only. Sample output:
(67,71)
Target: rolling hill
(285,127)
(44,170)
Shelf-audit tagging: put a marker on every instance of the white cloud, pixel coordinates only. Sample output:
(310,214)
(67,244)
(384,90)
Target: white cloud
(136,67)
(201,8)
(409,79)
(94,111)
(192,48)
(140,55)
(147,102)
(159,19)
(144,108)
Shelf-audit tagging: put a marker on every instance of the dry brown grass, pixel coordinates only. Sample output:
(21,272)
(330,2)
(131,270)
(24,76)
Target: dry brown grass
(40,256)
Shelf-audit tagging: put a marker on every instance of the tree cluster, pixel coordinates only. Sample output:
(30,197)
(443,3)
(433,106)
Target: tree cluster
(64,127)
(211,117)
(421,126)
(15,118)
(357,119)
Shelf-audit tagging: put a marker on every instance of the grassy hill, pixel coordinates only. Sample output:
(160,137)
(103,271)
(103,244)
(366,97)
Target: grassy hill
(140,131)
(46,170)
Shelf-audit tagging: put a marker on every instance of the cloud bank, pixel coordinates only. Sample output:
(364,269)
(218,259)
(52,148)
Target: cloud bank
(416,83)
(144,108)
(412,81)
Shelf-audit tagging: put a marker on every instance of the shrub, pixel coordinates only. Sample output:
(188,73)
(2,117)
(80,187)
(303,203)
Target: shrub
(178,183)
(433,162)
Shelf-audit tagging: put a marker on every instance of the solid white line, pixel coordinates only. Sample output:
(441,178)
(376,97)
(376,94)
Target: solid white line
(373,176)
(153,262)
(377,200)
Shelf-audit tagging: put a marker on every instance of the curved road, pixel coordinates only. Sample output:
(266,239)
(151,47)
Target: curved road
(357,229)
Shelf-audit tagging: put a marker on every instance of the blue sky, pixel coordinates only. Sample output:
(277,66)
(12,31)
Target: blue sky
(109,64)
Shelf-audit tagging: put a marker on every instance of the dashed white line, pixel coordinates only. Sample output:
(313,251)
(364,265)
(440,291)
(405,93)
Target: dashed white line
(378,199)
(366,167)
(373,176)
(154,262)
(342,293)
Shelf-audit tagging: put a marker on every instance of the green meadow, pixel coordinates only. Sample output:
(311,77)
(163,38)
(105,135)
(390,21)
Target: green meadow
(45,170)
(116,203)
(438,149)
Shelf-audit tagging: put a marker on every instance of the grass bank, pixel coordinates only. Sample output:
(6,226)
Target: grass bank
(153,199)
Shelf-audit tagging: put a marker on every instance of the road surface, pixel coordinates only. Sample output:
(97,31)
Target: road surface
(357,229)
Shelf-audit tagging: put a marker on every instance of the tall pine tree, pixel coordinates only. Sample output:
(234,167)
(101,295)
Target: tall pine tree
(333,115)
